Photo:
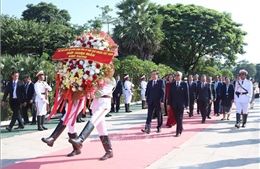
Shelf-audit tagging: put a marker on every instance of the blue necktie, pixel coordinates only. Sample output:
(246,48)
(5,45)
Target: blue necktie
(26,89)
(14,84)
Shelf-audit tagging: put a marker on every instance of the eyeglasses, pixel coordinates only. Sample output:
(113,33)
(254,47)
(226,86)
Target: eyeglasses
(177,75)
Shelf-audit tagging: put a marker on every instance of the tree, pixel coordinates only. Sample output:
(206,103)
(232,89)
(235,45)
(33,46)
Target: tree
(105,18)
(46,12)
(139,30)
(192,32)
(249,67)
(30,37)
(226,73)
(257,76)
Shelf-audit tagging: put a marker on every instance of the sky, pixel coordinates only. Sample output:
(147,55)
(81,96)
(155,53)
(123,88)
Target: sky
(245,12)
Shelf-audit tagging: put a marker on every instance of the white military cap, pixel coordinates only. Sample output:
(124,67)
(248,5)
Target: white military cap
(39,73)
(126,76)
(142,77)
(243,71)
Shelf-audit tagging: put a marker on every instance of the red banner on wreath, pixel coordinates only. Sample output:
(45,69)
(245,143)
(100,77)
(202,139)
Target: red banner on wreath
(85,54)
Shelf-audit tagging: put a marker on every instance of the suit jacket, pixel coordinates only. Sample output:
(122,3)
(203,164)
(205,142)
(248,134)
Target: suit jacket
(178,96)
(30,92)
(20,91)
(192,90)
(213,91)
(156,93)
(204,94)
(227,95)
(118,89)
(218,89)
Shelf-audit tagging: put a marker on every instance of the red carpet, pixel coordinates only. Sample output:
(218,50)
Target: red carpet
(132,149)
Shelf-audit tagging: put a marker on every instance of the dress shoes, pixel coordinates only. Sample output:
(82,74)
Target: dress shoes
(19,127)
(8,129)
(158,130)
(209,117)
(33,123)
(203,122)
(82,120)
(177,135)
(146,131)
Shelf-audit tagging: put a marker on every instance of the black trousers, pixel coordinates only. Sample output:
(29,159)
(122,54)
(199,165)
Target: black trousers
(25,112)
(209,109)
(116,101)
(156,108)
(204,104)
(191,108)
(217,106)
(178,115)
(15,106)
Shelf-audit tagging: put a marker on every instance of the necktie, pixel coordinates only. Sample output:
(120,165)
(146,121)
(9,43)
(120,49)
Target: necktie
(177,84)
(26,88)
(242,81)
(153,83)
(14,84)
(203,85)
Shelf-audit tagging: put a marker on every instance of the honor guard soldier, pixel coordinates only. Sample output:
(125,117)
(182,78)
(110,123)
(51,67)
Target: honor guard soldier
(41,89)
(143,90)
(128,92)
(242,97)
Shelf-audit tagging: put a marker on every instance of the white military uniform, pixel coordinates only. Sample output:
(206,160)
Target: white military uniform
(101,106)
(40,100)
(143,89)
(70,125)
(128,92)
(243,101)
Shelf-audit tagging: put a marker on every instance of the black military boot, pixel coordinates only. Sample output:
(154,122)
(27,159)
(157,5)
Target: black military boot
(75,150)
(77,142)
(244,120)
(42,122)
(238,120)
(107,146)
(39,123)
(128,108)
(56,133)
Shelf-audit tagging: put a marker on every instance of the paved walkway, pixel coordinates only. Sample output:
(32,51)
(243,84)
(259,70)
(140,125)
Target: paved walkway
(218,146)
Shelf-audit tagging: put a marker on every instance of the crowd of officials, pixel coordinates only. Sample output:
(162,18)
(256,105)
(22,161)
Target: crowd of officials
(167,96)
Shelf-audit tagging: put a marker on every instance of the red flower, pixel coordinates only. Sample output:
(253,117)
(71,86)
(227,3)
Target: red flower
(98,66)
(84,45)
(87,72)
(94,76)
(88,82)
(79,38)
(71,67)
(90,38)
(72,44)
(95,40)
(90,62)
(77,75)
(71,61)
(80,66)
(83,84)
(105,49)
(89,43)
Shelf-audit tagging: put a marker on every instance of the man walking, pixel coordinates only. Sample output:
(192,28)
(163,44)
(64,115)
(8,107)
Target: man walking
(242,97)
(178,99)
(116,95)
(213,95)
(29,99)
(217,86)
(192,94)
(155,95)
(204,97)
(16,91)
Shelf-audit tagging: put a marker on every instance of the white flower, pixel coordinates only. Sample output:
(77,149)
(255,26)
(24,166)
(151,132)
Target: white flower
(105,44)
(85,76)
(74,89)
(81,62)
(80,88)
(97,71)
(78,43)
(90,78)
(91,72)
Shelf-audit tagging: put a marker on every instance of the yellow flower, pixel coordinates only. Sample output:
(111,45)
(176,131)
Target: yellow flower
(67,84)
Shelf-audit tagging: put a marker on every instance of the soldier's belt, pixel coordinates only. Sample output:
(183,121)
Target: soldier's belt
(240,93)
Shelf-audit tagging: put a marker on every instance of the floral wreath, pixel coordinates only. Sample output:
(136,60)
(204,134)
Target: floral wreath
(78,77)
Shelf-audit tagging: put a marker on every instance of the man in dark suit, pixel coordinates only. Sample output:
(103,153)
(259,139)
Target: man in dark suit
(197,81)
(155,95)
(29,94)
(117,94)
(217,86)
(204,97)
(213,94)
(178,99)
(192,94)
(16,91)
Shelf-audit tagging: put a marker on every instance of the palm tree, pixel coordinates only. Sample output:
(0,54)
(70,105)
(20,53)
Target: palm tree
(138,32)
